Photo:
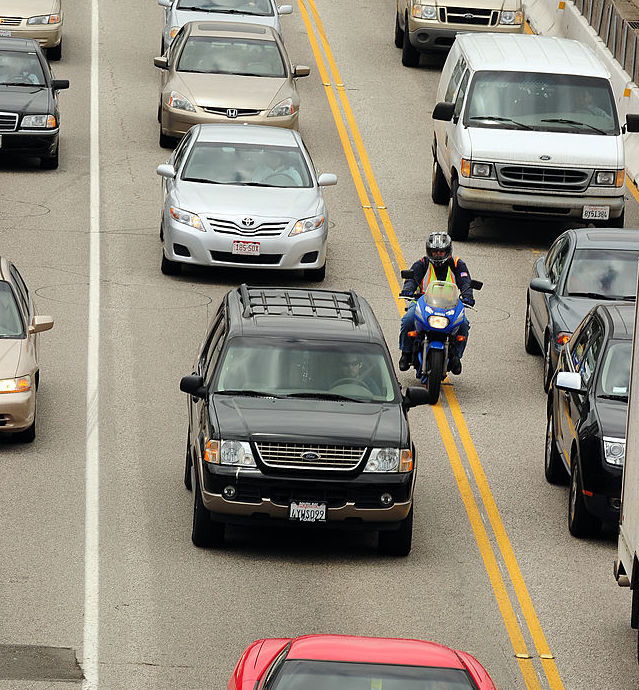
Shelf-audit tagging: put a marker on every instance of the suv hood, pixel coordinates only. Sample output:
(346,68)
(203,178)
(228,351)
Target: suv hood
(565,149)
(25,99)
(297,419)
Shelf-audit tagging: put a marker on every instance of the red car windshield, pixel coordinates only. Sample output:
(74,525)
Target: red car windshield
(329,675)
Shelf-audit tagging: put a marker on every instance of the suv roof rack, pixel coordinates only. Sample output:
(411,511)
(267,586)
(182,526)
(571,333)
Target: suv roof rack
(322,304)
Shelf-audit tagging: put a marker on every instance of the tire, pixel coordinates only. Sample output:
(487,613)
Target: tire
(166,142)
(188,464)
(439,190)
(580,522)
(51,162)
(530,342)
(397,542)
(548,367)
(205,533)
(435,375)
(54,54)
(159,113)
(458,218)
(615,222)
(28,435)
(315,275)
(170,268)
(410,56)
(553,466)
(399,33)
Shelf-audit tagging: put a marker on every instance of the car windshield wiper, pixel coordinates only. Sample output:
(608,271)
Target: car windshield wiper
(592,295)
(250,393)
(500,119)
(563,121)
(201,179)
(233,11)
(253,184)
(613,396)
(324,396)
(18,83)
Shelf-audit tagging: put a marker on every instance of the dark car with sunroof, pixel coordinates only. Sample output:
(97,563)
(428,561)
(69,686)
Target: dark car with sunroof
(583,267)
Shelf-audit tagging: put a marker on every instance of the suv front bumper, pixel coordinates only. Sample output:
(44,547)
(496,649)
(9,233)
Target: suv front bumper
(427,35)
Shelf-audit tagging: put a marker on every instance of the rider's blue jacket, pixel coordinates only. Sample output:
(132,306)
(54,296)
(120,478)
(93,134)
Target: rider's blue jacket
(458,269)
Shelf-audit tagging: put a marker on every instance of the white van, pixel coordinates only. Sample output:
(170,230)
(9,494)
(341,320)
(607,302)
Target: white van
(527,126)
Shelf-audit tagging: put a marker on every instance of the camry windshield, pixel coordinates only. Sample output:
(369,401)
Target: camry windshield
(328,675)
(240,56)
(542,102)
(259,8)
(250,165)
(10,321)
(615,370)
(20,69)
(603,274)
(305,369)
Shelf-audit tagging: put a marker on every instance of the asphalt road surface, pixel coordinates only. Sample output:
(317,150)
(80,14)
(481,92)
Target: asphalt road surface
(493,569)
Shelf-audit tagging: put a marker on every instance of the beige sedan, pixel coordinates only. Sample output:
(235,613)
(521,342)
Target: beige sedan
(226,72)
(19,369)
(37,19)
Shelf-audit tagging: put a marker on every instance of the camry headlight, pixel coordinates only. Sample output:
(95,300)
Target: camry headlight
(40,121)
(389,460)
(22,384)
(45,19)
(509,17)
(236,453)
(614,450)
(425,11)
(187,218)
(283,108)
(436,321)
(179,102)
(307,225)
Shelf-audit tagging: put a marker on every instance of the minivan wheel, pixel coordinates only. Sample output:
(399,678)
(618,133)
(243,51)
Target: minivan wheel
(399,34)
(397,542)
(530,343)
(458,217)
(553,466)
(439,190)
(580,522)
(206,533)
(410,56)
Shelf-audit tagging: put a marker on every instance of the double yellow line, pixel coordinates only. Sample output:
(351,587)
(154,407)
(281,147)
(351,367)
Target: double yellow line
(393,259)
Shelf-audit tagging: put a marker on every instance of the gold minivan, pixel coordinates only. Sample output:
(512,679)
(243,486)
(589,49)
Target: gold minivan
(37,19)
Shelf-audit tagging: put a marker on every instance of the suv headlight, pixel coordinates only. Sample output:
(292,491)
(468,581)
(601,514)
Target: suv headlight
(21,384)
(610,178)
(187,218)
(307,225)
(283,108)
(614,450)
(389,460)
(236,453)
(436,321)
(179,102)
(39,121)
(510,17)
(45,19)
(425,11)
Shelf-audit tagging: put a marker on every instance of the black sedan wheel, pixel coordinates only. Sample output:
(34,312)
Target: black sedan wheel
(580,522)
(530,342)
(548,367)
(553,466)
(188,463)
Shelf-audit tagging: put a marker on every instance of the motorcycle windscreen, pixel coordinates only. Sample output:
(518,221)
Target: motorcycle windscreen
(441,294)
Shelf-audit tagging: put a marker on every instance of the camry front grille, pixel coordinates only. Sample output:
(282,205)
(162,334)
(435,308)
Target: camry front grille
(8,122)
(310,456)
(10,21)
(228,227)
(533,177)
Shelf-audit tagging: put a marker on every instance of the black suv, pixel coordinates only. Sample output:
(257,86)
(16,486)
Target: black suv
(29,116)
(296,415)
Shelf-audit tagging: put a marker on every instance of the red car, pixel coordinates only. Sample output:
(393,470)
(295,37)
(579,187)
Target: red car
(343,662)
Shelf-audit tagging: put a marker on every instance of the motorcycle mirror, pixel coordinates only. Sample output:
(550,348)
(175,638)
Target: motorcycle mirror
(408,273)
(476,284)
(416,395)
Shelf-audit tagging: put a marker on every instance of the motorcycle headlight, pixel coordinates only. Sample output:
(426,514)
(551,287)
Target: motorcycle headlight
(509,17)
(425,11)
(179,102)
(45,19)
(307,225)
(39,121)
(236,453)
(436,321)
(187,218)
(21,384)
(614,451)
(283,108)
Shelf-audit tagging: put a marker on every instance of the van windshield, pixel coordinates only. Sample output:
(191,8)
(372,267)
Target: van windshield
(541,102)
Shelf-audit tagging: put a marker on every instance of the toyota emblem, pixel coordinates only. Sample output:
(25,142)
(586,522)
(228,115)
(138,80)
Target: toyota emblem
(310,455)
(248,222)
(231,112)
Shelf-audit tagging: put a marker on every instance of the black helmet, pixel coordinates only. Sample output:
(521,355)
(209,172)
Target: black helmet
(439,248)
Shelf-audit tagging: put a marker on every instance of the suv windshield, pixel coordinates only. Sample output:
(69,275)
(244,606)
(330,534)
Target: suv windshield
(306,369)
(20,69)
(259,8)
(603,273)
(543,102)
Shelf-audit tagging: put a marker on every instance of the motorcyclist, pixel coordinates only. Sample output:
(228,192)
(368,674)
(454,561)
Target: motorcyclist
(438,264)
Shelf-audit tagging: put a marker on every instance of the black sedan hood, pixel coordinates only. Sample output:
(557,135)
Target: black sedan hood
(612,417)
(569,311)
(310,421)
(26,100)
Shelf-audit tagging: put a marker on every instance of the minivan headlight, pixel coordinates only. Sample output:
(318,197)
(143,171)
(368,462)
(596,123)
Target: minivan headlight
(45,19)
(425,11)
(389,460)
(614,451)
(307,225)
(510,17)
(179,102)
(39,121)
(236,453)
(187,218)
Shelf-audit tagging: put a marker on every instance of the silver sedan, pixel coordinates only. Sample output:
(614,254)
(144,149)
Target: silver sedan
(243,196)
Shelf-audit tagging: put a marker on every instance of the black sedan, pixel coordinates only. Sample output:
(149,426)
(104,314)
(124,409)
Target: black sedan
(29,116)
(582,268)
(587,404)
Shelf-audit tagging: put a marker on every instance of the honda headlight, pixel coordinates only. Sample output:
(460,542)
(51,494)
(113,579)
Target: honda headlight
(389,460)
(614,450)
(307,225)
(187,218)
(179,102)
(21,384)
(39,121)
(425,11)
(236,453)
(283,108)
(436,321)
(510,17)
(45,19)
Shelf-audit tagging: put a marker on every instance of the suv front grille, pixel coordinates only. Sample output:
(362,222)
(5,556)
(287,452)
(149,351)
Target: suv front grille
(228,227)
(10,21)
(319,457)
(555,179)
(463,15)
(8,122)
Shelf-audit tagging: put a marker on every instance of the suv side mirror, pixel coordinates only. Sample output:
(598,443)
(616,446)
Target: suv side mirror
(161,62)
(632,123)
(414,396)
(408,273)
(542,285)
(569,381)
(285,9)
(444,111)
(58,84)
(193,385)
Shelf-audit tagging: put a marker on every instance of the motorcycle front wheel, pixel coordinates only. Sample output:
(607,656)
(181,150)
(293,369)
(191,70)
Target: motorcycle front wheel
(435,362)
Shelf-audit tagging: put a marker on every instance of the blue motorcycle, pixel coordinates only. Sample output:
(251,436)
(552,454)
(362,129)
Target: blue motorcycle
(438,316)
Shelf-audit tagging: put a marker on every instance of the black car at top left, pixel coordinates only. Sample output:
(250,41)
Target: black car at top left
(29,116)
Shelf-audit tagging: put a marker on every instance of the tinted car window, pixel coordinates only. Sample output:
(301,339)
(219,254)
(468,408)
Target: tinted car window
(20,68)
(245,56)
(589,360)
(558,262)
(615,369)
(11,325)
(604,272)
(455,78)
(459,100)
(260,8)
(579,342)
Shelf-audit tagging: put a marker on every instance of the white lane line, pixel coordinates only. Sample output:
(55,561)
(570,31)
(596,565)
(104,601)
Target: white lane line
(92,491)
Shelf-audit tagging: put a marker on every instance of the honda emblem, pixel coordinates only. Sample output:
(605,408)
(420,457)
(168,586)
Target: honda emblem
(231,112)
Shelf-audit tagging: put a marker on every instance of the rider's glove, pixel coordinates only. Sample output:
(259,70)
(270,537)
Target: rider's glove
(405,293)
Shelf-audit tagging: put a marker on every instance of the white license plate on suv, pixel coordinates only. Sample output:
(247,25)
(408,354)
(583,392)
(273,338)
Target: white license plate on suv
(596,213)
(242,247)
(307,511)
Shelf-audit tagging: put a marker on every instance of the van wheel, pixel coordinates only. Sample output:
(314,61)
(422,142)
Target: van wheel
(399,34)
(410,56)
(439,190)
(397,542)
(458,217)
(615,222)
(580,522)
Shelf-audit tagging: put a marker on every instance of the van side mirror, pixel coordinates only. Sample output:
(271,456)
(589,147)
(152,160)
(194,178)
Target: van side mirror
(408,273)
(444,111)
(161,62)
(193,385)
(632,123)
(414,396)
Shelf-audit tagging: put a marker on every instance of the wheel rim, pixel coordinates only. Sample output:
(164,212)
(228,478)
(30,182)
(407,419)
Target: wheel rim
(547,365)
(573,494)
(548,441)
(527,322)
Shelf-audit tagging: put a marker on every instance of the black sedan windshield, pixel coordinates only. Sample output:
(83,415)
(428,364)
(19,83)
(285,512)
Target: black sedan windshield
(20,69)
(603,273)
(329,675)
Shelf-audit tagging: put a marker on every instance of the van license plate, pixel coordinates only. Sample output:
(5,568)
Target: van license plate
(4,33)
(241,247)
(596,213)
(306,511)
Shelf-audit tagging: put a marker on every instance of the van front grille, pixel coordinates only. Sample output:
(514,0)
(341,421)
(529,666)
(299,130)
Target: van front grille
(553,179)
